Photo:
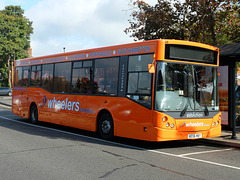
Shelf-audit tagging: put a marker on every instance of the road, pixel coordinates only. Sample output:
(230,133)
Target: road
(47,151)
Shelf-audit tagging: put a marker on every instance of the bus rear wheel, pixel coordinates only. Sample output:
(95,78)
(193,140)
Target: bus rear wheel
(34,114)
(105,126)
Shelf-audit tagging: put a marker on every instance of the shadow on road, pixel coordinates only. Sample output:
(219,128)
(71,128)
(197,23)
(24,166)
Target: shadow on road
(53,131)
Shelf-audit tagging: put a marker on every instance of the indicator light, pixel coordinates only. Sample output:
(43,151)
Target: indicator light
(219,117)
(167,125)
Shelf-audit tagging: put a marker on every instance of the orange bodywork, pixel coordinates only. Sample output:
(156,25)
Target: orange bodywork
(131,119)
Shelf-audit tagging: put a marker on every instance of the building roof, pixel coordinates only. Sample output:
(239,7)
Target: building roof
(229,49)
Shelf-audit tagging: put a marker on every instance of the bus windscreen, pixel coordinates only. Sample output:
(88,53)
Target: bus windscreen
(190,53)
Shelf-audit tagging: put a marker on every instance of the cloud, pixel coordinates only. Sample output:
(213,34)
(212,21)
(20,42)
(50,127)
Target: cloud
(77,24)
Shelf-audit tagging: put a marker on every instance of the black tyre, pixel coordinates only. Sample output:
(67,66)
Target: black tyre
(105,126)
(34,114)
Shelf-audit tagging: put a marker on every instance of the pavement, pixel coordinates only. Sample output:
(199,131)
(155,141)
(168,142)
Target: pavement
(225,138)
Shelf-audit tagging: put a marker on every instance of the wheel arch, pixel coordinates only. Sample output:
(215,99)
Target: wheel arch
(100,113)
(31,104)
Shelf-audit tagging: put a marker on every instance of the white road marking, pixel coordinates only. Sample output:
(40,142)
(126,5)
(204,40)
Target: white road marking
(5,106)
(128,146)
(202,152)
(195,159)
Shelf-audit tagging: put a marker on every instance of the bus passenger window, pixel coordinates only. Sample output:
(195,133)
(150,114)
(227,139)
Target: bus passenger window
(139,79)
(26,72)
(62,77)
(18,76)
(35,76)
(81,80)
(47,76)
(106,76)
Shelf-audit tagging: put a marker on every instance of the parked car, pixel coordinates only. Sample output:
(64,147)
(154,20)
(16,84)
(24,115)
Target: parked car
(5,91)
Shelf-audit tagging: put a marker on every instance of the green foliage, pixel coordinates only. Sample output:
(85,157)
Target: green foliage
(207,21)
(15,31)
(152,22)
(228,24)
(3,70)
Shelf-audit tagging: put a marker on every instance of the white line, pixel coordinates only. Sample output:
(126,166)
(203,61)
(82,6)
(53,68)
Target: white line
(124,145)
(202,152)
(5,106)
(210,162)
(194,159)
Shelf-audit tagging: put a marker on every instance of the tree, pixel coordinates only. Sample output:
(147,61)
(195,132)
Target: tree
(228,24)
(151,22)
(205,21)
(15,31)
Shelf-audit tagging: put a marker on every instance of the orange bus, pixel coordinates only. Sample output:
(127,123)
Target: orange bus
(155,90)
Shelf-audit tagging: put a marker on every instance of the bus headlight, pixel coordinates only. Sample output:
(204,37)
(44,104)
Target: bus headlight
(214,123)
(164,119)
(167,125)
(172,125)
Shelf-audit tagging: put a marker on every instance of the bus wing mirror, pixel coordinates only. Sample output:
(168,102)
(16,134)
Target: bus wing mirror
(151,68)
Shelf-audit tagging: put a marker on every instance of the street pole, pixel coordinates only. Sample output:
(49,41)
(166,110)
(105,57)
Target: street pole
(233,98)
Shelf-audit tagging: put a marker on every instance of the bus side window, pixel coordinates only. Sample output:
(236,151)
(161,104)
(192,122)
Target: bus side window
(26,75)
(47,76)
(106,76)
(62,77)
(35,79)
(139,79)
(82,77)
(18,76)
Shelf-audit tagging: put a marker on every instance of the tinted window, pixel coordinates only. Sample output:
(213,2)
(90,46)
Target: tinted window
(62,77)
(106,76)
(47,76)
(35,76)
(140,62)
(18,76)
(81,81)
(139,83)
(26,72)
(139,79)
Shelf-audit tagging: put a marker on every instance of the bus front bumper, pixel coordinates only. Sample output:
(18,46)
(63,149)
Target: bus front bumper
(161,134)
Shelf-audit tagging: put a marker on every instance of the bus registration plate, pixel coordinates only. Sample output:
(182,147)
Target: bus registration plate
(193,136)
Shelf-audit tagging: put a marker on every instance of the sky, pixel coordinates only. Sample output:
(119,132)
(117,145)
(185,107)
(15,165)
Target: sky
(75,24)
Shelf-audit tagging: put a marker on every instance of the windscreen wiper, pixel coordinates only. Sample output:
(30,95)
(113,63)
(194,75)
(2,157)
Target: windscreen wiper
(185,108)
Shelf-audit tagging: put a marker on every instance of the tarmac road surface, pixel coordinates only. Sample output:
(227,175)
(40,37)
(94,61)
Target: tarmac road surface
(47,151)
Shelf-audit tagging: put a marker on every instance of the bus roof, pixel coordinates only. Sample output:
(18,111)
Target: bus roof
(109,51)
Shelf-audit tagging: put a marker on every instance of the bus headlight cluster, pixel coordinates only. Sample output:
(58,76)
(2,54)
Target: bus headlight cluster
(216,123)
(168,122)
(168,125)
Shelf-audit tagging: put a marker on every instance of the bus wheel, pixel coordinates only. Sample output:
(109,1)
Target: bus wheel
(34,114)
(105,126)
